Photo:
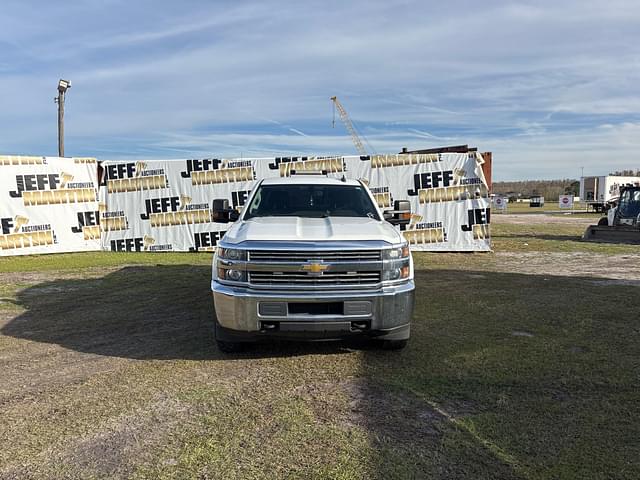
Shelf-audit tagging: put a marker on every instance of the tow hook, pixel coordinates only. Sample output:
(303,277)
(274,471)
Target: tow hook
(268,326)
(359,326)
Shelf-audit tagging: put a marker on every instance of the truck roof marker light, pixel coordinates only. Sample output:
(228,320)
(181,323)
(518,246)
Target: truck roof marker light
(308,172)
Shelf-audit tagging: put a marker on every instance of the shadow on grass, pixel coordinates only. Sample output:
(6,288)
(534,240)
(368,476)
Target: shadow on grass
(146,312)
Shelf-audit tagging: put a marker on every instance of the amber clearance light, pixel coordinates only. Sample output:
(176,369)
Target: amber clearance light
(404,272)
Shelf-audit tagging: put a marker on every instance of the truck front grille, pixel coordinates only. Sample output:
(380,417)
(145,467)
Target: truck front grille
(304,278)
(346,256)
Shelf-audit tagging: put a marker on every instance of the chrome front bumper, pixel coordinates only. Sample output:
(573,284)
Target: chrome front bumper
(384,312)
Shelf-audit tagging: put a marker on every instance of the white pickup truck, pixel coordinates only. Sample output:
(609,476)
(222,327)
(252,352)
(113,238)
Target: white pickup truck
(312,258)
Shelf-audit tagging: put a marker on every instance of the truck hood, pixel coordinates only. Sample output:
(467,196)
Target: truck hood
(288,229)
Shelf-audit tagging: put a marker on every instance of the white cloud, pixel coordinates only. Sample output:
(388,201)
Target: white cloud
(157,78)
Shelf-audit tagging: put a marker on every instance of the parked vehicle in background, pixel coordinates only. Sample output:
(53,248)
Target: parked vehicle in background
(601,193)
(313,258)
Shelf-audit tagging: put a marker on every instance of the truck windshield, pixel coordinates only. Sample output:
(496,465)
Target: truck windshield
(311,201)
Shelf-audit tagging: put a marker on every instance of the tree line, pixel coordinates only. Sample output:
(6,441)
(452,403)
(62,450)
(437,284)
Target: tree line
(626,173)
(550,189)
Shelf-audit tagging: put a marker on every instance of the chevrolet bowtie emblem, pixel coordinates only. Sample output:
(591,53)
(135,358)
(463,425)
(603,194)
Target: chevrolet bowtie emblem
(315,267)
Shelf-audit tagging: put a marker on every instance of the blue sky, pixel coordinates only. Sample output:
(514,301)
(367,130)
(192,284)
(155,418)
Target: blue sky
(548,86)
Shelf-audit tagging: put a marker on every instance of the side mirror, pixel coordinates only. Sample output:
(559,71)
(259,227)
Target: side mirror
(401,213)
(222,213)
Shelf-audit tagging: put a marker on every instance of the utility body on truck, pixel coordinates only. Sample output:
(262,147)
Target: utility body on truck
(602,193)
(312,258)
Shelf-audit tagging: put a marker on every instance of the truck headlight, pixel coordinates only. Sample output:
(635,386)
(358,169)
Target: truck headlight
(391,274)
(232,274)
(396,265)
(232,254)
(395,272)
(235,275)
(396,253)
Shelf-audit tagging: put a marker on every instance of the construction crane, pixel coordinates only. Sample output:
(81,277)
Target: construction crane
(347,123)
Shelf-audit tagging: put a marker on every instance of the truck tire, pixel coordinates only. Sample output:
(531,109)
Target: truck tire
(603,222)
(226,346)
(394,344)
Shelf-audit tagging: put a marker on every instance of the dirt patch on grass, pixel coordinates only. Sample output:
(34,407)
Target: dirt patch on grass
(531,218)
(37,369)
(41,277)
(114,450)
(613,268)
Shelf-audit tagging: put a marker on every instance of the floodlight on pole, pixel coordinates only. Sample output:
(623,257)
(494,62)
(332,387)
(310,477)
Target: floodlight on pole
(63,86)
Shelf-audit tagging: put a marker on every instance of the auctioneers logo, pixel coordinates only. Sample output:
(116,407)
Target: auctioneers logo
(177,210)
(286,165)
(382,161)
(210,171)
(134,177)
(92,222)
(446,186)
(51,189)
(15,233)
(21,160)
(88,225)
(139,244)
(112,221)
(479,220)
(206,241)
(25,160)
(421,233)
(383,196)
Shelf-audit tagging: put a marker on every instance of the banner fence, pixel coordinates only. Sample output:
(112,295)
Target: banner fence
(167,205)
(49,205)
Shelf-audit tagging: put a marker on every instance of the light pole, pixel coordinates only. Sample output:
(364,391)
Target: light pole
(63,86)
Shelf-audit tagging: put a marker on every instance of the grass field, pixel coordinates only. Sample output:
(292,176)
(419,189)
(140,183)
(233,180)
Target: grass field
(523,363)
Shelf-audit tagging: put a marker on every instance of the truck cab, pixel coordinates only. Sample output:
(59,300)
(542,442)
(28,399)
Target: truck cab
(312,258)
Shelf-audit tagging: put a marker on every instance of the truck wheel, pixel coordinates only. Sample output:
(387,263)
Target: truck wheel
(394,344)
(603,222)
(225,346)
(229,347)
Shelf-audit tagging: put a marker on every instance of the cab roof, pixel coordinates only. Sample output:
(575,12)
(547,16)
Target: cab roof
(308,180)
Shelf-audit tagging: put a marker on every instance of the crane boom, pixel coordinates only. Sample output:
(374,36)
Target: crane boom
(347,123)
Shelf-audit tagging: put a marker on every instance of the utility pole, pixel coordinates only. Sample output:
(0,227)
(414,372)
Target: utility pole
(63,86)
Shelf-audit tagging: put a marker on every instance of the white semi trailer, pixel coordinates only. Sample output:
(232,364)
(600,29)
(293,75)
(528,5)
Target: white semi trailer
(600,193)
